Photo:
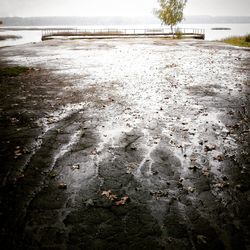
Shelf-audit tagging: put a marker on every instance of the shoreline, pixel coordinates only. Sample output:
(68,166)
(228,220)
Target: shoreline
(160,124)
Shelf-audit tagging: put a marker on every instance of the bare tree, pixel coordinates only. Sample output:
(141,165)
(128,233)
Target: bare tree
(171,12)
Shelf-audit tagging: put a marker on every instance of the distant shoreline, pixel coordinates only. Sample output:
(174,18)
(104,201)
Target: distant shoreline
(220,28)
(34,33)
(114,20)
(31,28)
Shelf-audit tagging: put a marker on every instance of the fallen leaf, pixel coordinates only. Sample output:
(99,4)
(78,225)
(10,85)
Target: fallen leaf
(14,120)
(219,185)
(219,158)
(193,159)
(169,239)
(201,239)
(53,175)
(205,173)
(159,194)
(75,166)
(122,201)
(26,151)
(208,148)
(191,189)
(18,152)
(20,176)
(130,168)
(109,195)
(62,186)
(194,167)
(94,152)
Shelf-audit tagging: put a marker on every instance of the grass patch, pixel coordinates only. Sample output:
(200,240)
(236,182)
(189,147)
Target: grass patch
(13,71)
(6,37)
(242,41)
(178,34)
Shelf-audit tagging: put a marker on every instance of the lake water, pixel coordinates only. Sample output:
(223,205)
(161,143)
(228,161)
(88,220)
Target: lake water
(29,36)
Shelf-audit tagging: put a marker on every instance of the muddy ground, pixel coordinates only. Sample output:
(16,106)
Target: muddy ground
(125,144)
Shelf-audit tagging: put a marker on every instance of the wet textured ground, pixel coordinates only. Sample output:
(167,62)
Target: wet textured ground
(125,144)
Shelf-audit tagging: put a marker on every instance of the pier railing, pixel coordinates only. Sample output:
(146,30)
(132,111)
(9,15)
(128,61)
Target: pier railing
(185,32)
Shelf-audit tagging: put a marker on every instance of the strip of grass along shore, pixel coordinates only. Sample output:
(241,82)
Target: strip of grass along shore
(242,41)
(6,37)
(12,71)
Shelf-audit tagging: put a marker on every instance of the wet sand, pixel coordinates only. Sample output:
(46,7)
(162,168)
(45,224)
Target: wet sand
(125,144)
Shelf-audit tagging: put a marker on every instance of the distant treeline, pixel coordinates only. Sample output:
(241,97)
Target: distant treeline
(54,21)
(217,19)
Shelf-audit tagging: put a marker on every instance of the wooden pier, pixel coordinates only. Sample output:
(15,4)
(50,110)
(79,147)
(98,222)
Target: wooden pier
(122,33)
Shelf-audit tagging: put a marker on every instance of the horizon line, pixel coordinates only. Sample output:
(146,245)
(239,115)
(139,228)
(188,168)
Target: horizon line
(144,16)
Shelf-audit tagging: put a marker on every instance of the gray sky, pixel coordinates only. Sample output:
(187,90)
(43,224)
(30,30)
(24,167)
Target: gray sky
(117,7)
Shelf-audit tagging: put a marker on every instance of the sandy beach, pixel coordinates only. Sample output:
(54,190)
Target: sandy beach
(125,144)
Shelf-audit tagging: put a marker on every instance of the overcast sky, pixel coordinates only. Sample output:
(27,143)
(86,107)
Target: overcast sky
(117,7)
